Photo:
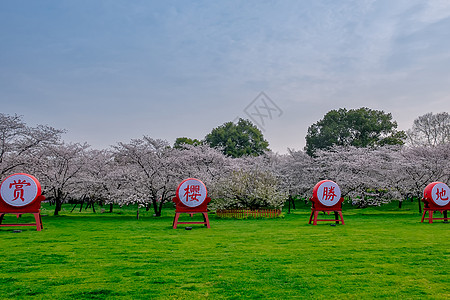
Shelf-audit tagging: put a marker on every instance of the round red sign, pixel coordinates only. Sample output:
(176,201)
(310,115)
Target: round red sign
(20,189)
(192,192)
(438,192)
(327,192)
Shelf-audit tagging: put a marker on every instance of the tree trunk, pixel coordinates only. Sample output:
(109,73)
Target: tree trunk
(158,213)
(289,207)
(111,207)
(336,217)
(155,208)
(58,204)
(420,206)
(58,201)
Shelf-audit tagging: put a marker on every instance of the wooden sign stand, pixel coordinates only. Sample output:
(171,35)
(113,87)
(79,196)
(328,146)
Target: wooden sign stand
(25,191)
(430,209)
(34,208)
(191,198)
(318,207)
(326,198)
(436,199)
(180,209)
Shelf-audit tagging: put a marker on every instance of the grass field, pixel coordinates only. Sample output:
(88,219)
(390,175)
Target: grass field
(382,252)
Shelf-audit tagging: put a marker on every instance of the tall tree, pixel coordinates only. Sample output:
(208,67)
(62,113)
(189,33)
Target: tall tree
(361,127)
(239,139)
(60,169)
(152,174)
(149,171)
(19,142)
(430,130)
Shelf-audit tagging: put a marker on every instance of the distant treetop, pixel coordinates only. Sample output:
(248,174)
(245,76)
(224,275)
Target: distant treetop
(430,130)
(361,127)
(179,142)
(237,140)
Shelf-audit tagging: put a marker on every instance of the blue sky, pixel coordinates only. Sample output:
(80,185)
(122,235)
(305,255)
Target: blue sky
(110,71)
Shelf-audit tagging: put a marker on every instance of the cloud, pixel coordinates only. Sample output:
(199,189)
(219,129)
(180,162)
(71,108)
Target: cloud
(176,68)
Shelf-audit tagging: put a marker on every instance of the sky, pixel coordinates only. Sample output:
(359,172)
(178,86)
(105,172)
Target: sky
(111,71)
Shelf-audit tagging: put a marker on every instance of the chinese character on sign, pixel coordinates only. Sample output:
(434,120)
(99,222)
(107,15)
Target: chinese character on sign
(328,193)
(192,192)
(441,194)
(18,189)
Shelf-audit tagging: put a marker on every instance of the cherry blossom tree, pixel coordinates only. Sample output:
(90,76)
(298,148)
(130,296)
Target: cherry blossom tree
(147,171)
(251,189)
(19,142)
(376,175)
(422,165)
(297,173)
(100,178)
(249,182)
(60,170)
(203,162)
(153,172)
(349,168)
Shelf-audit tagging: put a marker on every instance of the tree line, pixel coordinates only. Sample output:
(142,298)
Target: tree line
(146,171)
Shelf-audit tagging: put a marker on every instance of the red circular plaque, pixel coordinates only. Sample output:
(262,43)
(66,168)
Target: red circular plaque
(20,189)
(327,192)
(192,192)
(437,192)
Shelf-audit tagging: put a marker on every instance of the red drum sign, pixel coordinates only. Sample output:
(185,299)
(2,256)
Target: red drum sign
(437,192)
(327,192)
(192,192)
(20,189)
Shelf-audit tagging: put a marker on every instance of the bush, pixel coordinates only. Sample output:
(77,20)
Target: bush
(252,189)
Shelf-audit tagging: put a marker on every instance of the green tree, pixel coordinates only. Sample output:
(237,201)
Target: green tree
(179,142)
(361,127)
(239,139)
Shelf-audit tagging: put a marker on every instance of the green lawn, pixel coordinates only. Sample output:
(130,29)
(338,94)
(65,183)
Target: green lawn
(381,252)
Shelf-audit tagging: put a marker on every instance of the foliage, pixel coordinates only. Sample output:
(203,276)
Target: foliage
(153,173)
(60,170)
(419,166)
(297,172)
(248,189)
(358,171)
(238,140)
(361,127)
(430,130)
(367,176)
(147,171)
(101,179)
(19,142)
(205,163)
(182,141)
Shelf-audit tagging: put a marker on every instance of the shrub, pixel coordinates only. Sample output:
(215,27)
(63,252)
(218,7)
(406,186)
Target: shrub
(251,189)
